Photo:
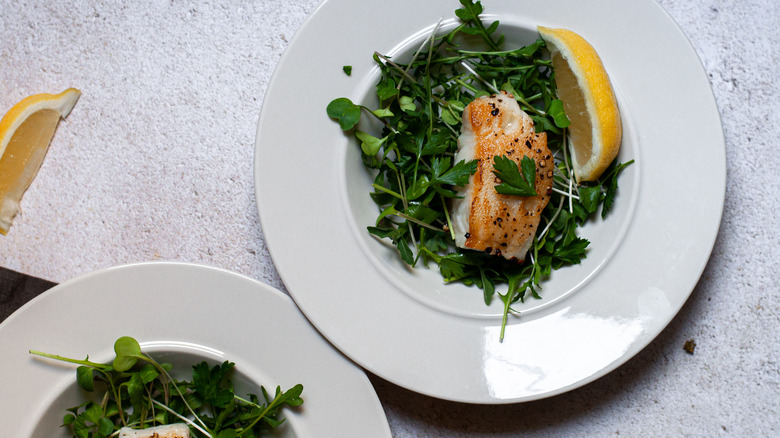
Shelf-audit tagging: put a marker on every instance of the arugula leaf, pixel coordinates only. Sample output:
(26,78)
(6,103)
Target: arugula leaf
(487,284)
(513,182)
(452,269)
(404,251)
(347,70)
(612,186)
(469,14)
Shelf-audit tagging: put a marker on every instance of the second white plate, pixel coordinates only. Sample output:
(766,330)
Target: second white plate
(188,313)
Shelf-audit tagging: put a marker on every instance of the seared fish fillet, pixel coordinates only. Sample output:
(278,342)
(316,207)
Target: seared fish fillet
(178,430)
(483,219)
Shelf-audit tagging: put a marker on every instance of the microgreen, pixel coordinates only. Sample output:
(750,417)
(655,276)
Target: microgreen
(347,113)
(421,104)
(139,392)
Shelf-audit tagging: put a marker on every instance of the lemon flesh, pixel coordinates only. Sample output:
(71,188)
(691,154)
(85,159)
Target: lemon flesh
(596,130)
(25,134)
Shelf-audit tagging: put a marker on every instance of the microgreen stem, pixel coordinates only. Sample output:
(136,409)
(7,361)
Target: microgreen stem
(173,382)
(568,169)
(472,53)
(552,220)
(565,149)
(257,419)
(403,72)
(430,38)
(416,221)
(466,86)
(243,400)
(447,216)
(569,194)
(504,318)
(182,418)
(571,205)
(480,78)
(528,107)
(381,120)
(386,190)
(402,184)
(99,366)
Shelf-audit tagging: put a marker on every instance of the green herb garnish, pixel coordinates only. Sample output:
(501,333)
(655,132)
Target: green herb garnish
(138,392)
(421,103)
(513,181)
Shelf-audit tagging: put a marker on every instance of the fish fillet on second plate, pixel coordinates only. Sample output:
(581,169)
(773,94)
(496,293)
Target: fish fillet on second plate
(483,219)
(178,430)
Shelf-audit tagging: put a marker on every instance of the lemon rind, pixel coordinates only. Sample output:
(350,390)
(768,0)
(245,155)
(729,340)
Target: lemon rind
(62,103)
(601,106)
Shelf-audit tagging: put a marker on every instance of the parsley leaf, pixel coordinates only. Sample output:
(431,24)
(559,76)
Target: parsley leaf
(210,383)
(573,251)
(457,175)
(512,181)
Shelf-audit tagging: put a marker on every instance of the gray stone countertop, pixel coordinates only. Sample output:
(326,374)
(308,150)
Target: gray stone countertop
(155,163)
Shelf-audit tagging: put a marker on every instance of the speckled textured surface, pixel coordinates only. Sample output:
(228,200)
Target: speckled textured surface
(155,163)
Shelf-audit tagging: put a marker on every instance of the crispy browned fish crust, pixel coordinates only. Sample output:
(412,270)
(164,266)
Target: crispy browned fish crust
(484,219)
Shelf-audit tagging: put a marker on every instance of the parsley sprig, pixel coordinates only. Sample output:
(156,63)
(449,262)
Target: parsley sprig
(421,106)
(515,181)
(139,392)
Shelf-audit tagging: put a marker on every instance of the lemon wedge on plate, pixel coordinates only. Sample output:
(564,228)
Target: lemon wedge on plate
(595,131)
(25,133)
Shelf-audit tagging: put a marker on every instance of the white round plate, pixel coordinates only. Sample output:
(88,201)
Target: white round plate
(180,311)
(441,340)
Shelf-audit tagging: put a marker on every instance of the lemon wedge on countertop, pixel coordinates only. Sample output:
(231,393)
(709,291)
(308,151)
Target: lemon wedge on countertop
(596,131)
(25,133)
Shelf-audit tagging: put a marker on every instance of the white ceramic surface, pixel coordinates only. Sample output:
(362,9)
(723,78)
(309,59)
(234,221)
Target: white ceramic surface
(440,340)
(183,311)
